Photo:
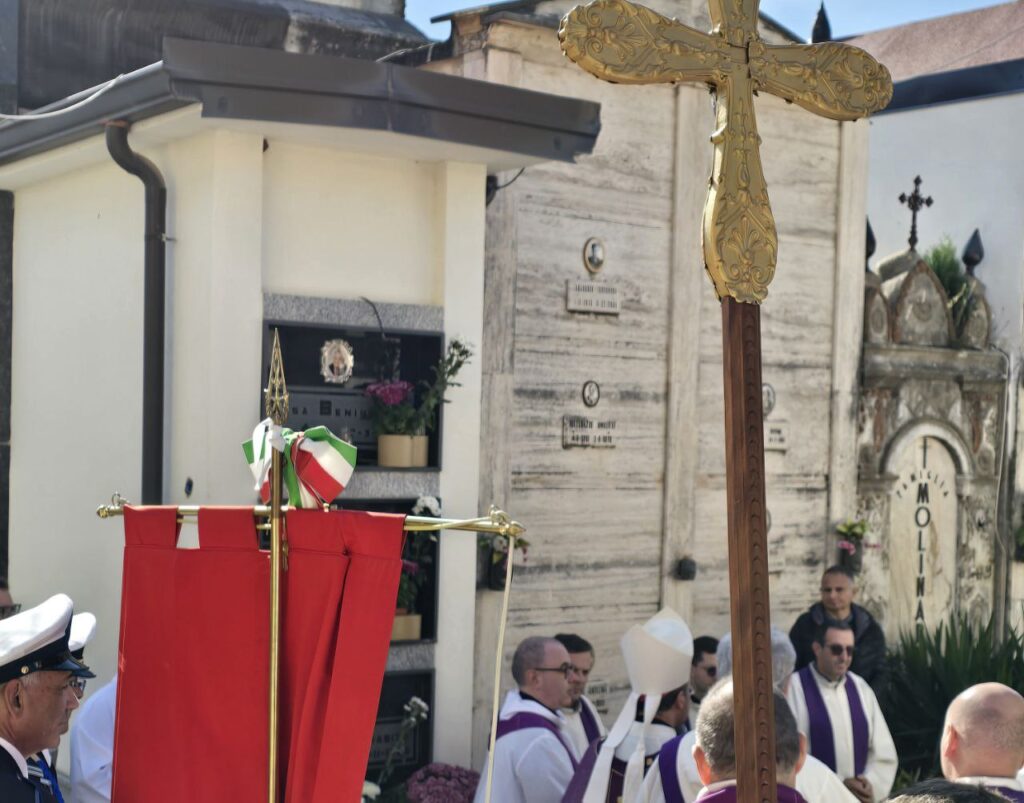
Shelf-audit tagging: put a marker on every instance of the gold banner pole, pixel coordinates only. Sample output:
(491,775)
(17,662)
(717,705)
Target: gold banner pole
(277,411)
(497,521)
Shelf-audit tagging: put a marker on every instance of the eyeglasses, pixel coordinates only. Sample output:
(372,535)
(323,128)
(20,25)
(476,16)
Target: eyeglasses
(9,610)
(565,669)
(838,649)
(77,685)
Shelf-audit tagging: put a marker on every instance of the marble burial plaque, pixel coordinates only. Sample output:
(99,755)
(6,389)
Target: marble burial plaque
(587,295)
(776,436)
(578,430)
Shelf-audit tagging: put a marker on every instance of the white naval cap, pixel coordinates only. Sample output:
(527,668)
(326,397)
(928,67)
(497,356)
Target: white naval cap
(83,626)
(37,640)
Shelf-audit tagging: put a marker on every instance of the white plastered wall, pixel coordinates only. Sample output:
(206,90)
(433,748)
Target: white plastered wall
(293,219)
(968,157)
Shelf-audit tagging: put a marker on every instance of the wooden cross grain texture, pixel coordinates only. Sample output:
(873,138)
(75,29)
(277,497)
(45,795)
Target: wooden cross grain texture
(625,43)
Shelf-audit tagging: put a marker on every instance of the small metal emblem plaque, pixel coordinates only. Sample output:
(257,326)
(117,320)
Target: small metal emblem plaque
(336,361)
(776,436)
(578,430)
(586,295)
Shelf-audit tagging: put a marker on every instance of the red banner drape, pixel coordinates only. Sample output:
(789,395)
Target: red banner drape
(194,652)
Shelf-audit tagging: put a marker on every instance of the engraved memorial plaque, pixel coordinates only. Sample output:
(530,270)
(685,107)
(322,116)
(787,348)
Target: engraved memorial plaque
(586,295)
(776,436)
(580,431)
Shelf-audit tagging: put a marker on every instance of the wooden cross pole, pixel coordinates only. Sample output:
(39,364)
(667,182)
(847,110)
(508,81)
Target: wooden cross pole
(624,43)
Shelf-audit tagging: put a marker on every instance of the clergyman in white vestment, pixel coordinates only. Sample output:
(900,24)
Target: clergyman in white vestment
(533,757)
(92,747)
(983,739)
(815,782)
(827,698)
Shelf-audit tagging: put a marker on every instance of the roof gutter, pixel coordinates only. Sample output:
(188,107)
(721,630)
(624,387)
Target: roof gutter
(153,326)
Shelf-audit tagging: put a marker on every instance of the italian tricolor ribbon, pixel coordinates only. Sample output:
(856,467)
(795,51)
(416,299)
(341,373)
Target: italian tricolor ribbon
(317,465)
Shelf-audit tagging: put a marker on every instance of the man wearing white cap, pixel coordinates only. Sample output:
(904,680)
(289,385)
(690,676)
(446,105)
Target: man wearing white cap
(40,766)
(533,757)
(658,657)
(815,782)
(40,684)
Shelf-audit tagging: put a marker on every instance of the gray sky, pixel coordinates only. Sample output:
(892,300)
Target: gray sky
(847,16)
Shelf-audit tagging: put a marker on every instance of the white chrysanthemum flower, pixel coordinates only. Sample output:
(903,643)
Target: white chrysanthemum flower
(425,504)
(370,791)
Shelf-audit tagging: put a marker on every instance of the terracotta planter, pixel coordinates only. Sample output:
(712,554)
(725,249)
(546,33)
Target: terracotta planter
(394,451)
(406,627)
(402,451)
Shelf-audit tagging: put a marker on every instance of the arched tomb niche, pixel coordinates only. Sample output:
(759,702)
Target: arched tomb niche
(929,467)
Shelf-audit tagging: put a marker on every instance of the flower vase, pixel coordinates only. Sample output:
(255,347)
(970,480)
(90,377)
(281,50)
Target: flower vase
(497,569)
(394,451)
(852,562)
(406,626)
(419,451)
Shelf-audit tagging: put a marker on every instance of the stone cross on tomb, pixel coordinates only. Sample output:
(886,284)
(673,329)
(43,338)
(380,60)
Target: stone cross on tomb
(915,202)
(625,43)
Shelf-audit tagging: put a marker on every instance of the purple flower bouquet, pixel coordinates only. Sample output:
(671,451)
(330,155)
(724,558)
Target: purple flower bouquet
(442,783)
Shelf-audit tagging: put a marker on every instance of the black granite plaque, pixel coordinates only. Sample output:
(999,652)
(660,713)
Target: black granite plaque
(417,749)
(344,409)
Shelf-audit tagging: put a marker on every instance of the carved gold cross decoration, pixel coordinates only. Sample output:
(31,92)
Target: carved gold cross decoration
(625,43)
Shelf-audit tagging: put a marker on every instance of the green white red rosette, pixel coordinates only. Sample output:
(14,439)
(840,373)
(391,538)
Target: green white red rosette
(317,465)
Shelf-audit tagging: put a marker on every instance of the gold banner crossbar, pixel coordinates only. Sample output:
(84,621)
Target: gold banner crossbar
(496,521)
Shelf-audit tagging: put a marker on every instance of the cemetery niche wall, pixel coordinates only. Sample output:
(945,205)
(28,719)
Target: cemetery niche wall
(930,436)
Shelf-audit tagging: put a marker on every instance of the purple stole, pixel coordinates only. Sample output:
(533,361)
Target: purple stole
(669,770)
(589,723)
(1012,794)
(524,720)
(823,745)
(728,795)
(578,785)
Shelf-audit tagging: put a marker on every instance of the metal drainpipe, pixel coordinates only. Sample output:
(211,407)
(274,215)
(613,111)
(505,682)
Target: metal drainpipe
(153,312)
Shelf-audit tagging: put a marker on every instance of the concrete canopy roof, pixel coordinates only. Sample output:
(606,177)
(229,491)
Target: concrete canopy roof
(236,84)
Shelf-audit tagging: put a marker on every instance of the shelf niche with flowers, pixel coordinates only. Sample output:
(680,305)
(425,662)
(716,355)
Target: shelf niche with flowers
(416,601)
(363,383)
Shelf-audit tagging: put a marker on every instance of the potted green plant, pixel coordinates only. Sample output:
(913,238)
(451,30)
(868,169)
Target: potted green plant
(851,544)
(417,558)
(494,551)
(400,423)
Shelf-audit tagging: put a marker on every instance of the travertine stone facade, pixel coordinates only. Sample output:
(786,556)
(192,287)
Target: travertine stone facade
(608,526)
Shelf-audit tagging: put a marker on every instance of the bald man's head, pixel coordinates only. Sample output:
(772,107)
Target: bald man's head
(984,733)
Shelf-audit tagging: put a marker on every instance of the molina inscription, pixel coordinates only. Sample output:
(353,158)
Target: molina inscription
(923,525)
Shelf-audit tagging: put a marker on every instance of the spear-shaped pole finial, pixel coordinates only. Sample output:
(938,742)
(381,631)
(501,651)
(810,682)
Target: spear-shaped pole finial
(276,394)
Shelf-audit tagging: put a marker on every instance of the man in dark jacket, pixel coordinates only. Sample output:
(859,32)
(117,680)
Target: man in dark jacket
(837,605)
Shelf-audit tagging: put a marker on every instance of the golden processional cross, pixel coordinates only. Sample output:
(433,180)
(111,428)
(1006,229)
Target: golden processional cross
(624,43)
